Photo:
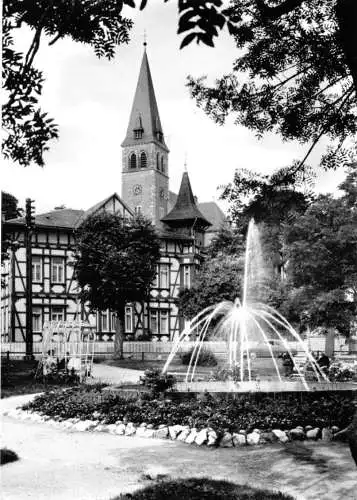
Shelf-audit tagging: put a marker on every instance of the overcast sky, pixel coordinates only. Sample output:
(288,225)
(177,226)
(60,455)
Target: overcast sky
(90,100)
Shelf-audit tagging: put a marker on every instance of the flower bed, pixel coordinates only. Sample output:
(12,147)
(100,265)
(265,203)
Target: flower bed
(244,412)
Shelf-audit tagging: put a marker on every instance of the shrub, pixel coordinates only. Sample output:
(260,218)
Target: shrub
(199,488)
(223,374)
(7,456)
(157,381)
(246,411)
(341,372)
(205,357)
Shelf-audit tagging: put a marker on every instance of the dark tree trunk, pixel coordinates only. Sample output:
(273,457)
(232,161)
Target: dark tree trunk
(346,12)
(119,333)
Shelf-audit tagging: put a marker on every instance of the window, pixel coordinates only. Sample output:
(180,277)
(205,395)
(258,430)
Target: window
(37,319)
(186,277)
(57,313)
(162,164)
(143,160)
(57,270)
(113,321)
(157,161)
(155,283)
(164,322)
(132,160)
(36,269)
(154,326)
(104,321)
(128,319)
(138,133)
(164,276)
(138,209)
(159,322)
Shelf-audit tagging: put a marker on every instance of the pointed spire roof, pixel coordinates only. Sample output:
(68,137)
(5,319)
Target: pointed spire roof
(144,111)
(185,210)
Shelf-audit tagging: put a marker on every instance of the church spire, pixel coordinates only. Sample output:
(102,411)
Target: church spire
(144,111)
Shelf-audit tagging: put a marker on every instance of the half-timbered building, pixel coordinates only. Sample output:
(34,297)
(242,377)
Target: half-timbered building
(184,230)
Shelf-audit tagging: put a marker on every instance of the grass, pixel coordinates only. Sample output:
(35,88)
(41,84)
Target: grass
(17,378)
(7,456)
(201,488)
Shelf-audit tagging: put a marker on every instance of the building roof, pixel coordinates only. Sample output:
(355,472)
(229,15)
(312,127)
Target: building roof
(214,214)
(144,112)
(101,205)
(210,210)
(68,218)
(185,209)
(65,218)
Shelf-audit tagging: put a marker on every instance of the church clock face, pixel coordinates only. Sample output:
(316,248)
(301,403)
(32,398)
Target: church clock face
(163,194)
(137,189)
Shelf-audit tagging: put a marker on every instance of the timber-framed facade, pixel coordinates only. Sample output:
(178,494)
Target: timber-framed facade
(181,225)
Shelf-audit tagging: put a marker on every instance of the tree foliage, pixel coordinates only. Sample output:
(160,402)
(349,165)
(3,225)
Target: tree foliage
(296,71)
(9,210)
(322,262)
(219,279)
(99,24)
(115,262)
(295,75)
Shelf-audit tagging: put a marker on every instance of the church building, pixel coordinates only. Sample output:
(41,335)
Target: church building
(185,228)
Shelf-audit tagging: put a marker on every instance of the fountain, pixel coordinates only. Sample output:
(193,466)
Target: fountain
(245,324)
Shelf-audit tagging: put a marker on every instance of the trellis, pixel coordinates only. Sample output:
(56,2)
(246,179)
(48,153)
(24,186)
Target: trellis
(68,346)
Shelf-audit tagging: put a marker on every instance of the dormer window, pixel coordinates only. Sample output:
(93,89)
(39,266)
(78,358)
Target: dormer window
(159,136)
(139,129)
(138,133)
(143,160)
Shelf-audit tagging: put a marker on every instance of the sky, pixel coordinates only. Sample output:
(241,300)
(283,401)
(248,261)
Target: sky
(90,99)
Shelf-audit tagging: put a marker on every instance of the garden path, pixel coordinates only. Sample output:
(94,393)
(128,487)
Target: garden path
(114,375)
(58,464)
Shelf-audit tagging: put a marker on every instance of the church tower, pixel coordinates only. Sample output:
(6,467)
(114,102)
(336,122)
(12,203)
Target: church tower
(145,176)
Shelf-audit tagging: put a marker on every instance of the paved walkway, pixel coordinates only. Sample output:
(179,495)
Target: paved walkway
(115,375)
(58,464)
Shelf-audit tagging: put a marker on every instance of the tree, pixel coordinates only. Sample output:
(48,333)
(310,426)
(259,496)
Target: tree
(272,202)
(322,266)
(295,75)
(115,263)
(99,23)
(9,210)
(219,279)
(226,242)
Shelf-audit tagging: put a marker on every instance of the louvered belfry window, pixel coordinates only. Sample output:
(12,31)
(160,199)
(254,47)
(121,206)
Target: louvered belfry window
(132,161)
(143,160)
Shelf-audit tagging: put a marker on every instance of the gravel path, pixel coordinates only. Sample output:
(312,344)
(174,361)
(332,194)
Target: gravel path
(59,464)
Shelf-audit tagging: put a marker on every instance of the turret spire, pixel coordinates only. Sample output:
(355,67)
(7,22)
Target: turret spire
(185,211)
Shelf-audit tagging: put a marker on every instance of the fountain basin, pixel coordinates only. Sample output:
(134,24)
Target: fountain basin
(266,386)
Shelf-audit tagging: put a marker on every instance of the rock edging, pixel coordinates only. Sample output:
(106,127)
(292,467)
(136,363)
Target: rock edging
(183,433)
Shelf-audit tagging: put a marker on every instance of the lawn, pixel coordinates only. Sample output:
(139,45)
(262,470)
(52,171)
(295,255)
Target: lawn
(202,488)
(17,377)
(263,366)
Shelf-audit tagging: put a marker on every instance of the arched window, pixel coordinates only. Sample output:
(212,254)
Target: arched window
(132,160)
(162,164)
(143,160)
(157,161)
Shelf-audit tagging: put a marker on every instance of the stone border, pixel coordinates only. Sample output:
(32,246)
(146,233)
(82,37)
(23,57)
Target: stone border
(186,434)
